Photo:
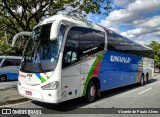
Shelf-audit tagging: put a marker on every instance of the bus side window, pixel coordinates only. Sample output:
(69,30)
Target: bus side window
(8,62)
(91,41)
(119,43)
(17,62)
(74,57)
(70,55)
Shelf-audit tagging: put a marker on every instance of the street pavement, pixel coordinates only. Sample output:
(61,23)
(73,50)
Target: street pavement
(7,85)
(133,96)
(9,93)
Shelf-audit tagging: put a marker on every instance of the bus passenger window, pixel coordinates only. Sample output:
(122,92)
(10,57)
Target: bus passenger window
(69,58)
(74,57)
(8,62)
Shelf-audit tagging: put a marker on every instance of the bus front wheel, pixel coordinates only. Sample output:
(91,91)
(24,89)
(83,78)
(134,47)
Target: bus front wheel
(91,92)
(3,78)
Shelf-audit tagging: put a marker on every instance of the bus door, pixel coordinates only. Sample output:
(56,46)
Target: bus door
(70,69)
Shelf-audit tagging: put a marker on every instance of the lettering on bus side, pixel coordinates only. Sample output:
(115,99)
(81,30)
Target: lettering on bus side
(120,59)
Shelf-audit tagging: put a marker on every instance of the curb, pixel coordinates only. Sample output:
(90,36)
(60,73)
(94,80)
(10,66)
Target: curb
(13,101)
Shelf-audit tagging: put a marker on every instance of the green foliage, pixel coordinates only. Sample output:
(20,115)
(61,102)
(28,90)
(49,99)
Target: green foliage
(156,49)
(23,15)
(6,49)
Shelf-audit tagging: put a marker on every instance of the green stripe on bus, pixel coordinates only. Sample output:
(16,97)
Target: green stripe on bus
(42,79)
(91,72)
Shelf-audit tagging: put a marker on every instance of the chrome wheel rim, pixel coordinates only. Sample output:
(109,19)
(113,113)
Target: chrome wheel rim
(93,91)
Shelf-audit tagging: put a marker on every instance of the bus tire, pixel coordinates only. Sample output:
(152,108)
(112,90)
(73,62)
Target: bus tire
(91,92)
(142,80)
(3,78)
(147,78)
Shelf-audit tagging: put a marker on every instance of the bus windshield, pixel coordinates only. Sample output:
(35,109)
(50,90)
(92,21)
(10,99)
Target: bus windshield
(41,54)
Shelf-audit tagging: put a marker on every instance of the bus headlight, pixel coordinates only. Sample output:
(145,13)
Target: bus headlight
(51,86)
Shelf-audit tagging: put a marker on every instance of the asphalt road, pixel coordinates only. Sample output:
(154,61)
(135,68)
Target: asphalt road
(133,96)
(9,84)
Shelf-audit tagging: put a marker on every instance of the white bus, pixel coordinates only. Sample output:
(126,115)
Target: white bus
(9,67)
(67,57)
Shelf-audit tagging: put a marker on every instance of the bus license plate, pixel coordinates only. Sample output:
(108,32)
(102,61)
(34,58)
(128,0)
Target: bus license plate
(28,93)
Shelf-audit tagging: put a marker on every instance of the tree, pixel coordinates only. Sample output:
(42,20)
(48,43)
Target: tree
(6,49)
(156,49)
(22,15)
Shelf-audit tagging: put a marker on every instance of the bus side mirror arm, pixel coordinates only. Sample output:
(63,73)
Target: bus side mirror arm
(19,34)
(56,26)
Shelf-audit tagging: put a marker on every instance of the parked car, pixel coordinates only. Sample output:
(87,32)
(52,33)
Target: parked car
(9,67)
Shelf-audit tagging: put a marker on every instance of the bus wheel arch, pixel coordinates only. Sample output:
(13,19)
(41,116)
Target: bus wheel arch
(3,78)
(93,90)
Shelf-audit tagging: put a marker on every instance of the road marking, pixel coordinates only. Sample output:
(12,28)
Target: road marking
(145,90)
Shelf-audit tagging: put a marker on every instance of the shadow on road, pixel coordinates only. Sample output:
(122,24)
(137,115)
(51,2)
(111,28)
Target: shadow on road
(63,106)
(152,80)
(79,102)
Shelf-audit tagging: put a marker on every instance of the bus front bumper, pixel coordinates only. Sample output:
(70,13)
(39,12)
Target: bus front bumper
(42,96)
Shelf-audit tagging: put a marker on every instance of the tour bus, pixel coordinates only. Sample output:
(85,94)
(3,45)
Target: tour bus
(9,67)
(68,57)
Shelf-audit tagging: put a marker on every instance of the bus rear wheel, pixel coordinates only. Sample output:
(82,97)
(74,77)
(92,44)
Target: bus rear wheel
(3,78)
(147,78)
(145,81)
(91,92)
(142,80)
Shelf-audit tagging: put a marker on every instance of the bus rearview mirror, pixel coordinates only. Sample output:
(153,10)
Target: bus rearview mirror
(56,26)
(54,30)
(19,34)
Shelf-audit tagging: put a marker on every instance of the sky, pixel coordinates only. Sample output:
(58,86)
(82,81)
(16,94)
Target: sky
(138,20)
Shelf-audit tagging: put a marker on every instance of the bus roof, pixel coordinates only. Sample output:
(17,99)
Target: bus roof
(81,22)
(76,20)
